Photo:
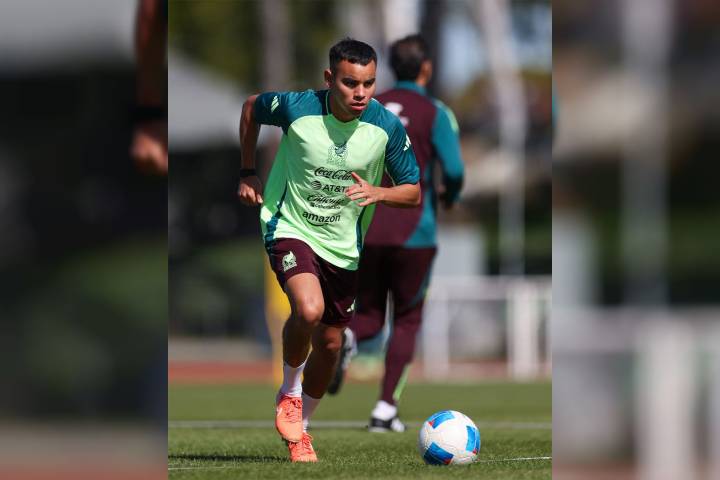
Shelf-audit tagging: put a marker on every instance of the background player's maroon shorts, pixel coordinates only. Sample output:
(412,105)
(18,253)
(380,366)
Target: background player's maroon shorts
(289,256)
(403,271)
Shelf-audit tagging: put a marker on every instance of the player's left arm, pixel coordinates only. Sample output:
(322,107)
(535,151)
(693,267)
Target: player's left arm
(403,169)
(445,140)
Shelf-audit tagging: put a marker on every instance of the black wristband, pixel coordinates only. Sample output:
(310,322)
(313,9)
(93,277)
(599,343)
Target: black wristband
(146,113)
(247,172)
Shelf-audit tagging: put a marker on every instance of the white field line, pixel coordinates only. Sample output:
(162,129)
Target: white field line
(210,467)
(521,459)
(342,424)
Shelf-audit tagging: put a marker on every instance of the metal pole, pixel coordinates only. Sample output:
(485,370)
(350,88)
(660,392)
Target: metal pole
(507,82)
(647,34)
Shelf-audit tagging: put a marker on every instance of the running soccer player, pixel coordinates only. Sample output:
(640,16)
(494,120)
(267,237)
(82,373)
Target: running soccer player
(316,206)
(400,246)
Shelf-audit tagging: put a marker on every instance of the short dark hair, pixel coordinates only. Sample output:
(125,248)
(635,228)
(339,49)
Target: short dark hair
(354,51)
(407,55)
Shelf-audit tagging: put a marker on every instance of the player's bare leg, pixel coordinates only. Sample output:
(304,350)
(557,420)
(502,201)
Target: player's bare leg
(326,342)
(306,301)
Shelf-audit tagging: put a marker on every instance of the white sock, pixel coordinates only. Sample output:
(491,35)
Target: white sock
(309,406)
(384,411)
(353,341)
(292,380)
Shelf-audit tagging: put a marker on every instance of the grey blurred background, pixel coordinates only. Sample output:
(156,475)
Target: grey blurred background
(635,226)
(83,252)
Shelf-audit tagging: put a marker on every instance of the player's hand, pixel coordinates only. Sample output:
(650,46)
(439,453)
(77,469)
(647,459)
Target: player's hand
(445,201)
(149,147)
(362,190)
(250,191)
(442,195)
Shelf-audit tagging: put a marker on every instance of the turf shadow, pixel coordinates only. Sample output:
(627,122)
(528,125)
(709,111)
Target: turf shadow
(230,458)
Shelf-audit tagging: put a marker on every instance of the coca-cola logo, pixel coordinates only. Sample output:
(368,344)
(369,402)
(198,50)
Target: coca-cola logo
(333,174)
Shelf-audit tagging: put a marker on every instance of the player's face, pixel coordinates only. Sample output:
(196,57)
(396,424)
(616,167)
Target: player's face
(351,87)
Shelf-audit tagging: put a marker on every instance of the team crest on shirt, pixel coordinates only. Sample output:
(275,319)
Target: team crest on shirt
(337,154)
(289,261)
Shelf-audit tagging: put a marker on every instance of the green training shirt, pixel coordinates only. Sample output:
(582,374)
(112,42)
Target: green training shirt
(304,197)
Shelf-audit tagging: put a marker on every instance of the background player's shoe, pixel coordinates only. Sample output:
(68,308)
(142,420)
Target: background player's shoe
(381,426)
(288,417)
(302,451)
(347,351)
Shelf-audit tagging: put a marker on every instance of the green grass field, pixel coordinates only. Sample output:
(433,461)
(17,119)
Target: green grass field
(224,432)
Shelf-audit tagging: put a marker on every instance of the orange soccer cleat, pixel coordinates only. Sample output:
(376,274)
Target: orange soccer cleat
(302,451)
(288,418)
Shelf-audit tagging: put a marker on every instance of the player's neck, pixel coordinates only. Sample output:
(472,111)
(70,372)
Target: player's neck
(337,111)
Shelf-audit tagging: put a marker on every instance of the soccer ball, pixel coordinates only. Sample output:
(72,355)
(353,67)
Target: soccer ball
(449,438)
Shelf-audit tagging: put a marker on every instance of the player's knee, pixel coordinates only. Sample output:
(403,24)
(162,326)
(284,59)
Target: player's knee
(331,342)
(310,312)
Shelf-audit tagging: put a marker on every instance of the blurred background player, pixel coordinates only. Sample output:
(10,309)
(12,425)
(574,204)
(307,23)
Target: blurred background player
(400,245)
(315,212)
(149,146)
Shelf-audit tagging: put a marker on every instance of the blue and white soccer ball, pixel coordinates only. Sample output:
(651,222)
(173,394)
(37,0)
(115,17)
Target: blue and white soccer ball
(449,438)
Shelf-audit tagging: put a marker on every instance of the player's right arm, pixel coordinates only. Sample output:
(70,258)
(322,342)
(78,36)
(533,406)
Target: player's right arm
(269,108)
(250,189)
(149,143)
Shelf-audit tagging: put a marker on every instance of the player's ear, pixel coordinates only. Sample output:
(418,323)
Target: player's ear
(426,69)
(328,77)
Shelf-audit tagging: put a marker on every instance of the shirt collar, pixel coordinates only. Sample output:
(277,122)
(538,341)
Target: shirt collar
(407,84)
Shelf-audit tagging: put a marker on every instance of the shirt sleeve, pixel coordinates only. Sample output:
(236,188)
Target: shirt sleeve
(271,108)
(400,160)
(446,141)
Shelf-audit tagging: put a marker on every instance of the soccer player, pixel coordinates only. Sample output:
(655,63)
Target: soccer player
(150,144)
(316,206)
(400,245)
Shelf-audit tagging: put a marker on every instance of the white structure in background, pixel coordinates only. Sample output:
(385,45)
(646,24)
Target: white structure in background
(461,251)
(51,35)
(494,16)
(665,399)
(713,433)
(468,313)
(647,37)
(400,18)
(364,21)
(203,108)
(526,301)
(675,373)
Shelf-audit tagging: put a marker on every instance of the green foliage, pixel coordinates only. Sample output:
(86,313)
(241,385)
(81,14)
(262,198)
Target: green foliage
(223,35)
(227,37)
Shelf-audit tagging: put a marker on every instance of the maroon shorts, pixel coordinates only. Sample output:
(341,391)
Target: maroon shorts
(289,256)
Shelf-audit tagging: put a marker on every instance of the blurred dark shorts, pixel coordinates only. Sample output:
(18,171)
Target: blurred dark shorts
(289,257)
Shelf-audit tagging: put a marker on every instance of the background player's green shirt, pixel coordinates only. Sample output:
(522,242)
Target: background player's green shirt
(304,197)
